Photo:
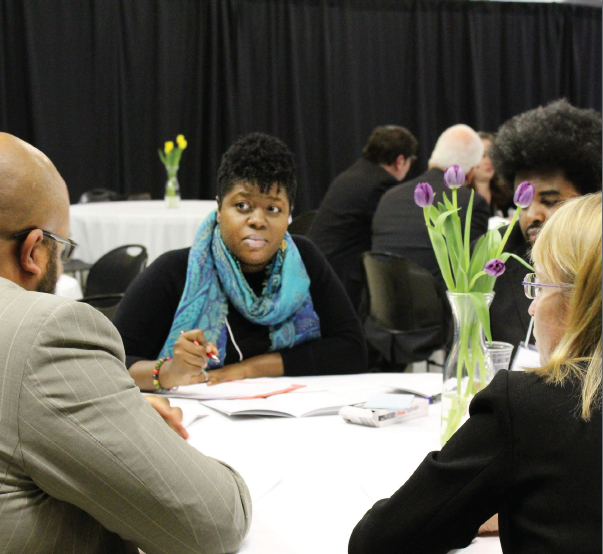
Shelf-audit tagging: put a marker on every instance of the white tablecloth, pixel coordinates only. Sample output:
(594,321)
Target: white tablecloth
(99,227)
(312,479)
(69,287)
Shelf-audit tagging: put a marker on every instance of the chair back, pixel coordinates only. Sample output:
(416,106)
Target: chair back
(107,304)
(113,272)
(302,223)
(406,318)
(99,195)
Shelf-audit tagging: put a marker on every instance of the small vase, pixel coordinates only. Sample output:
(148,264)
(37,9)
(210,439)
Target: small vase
(172,192)
(468,368)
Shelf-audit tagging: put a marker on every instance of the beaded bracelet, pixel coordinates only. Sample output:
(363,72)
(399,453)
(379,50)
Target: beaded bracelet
(158,365)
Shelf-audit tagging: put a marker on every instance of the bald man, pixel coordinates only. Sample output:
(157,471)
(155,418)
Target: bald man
(399,225)
(86,464)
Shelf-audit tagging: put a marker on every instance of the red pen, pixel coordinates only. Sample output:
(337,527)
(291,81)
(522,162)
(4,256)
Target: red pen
(210,355)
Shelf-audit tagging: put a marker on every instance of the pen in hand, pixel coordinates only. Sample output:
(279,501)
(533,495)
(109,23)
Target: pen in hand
(210,355)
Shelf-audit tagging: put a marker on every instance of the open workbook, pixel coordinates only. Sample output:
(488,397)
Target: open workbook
(300,403)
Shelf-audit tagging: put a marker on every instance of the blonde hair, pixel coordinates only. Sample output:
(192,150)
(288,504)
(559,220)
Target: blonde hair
(568,252)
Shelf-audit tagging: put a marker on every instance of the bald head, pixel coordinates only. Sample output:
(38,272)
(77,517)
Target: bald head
(459,145)
(32,193)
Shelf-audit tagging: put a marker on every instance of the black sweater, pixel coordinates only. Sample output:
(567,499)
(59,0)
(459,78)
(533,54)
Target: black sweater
(523,454)
(146,313)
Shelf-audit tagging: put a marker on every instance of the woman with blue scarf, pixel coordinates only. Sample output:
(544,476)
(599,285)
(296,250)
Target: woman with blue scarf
(247,299)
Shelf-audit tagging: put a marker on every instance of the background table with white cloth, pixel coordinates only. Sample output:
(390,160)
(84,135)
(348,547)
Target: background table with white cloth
(312,479)
(99,227)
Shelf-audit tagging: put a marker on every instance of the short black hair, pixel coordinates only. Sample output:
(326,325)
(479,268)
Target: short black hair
(556,136)
(259,159)
(387,142)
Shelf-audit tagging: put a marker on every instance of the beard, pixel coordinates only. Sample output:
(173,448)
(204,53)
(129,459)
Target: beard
(532,231)
(48,282)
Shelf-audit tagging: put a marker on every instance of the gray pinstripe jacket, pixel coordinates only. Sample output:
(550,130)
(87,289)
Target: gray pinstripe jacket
(86,465)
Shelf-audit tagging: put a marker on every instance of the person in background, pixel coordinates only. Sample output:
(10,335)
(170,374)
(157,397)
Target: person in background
(488,184)
(531,449)
(86,464)
(399,226)
(342,226)
(263,303)
(557,148)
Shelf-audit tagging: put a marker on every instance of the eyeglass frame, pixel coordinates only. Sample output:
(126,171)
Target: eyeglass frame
(526,283)
(67,252)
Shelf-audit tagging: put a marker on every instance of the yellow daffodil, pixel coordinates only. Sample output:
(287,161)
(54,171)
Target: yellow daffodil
(181,142)
(169,146)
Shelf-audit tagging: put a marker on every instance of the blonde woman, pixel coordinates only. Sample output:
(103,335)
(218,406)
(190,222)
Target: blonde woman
(531,450)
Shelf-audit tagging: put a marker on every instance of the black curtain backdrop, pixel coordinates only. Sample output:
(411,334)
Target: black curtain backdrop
(99,85)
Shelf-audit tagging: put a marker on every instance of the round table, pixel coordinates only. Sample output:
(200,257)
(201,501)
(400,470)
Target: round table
(312,479)
(99,227)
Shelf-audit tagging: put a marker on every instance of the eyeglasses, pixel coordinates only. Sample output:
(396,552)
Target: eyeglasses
(532,288)
(68,250)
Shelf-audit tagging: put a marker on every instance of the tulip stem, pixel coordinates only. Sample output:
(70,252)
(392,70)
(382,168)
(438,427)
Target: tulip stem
(508,232)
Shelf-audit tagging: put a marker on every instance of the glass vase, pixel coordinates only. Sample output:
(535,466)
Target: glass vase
(172,192)
(468,368)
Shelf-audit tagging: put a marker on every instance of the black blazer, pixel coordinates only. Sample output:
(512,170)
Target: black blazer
(509,317)
(342,226)
(523,454)
(399,225)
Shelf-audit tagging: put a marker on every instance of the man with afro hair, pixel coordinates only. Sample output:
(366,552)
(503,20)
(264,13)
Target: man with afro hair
(557,148)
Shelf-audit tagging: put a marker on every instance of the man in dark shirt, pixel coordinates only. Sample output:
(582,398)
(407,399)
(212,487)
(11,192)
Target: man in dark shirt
(399,225)
(342,227)
(558,149)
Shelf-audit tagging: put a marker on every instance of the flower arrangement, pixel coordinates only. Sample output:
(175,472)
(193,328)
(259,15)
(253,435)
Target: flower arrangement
(170,158)
(467,273)
(171,155)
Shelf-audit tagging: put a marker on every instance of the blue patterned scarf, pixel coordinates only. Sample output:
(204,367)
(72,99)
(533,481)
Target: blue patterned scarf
(214,276)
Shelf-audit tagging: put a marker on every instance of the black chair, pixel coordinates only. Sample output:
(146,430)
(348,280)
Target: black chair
(100,195)
(113,272)
(408,314)
(105,303)
(78,269)
(302,223)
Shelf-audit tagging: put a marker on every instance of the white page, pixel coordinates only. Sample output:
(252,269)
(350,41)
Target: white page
(291,404)
(231,390)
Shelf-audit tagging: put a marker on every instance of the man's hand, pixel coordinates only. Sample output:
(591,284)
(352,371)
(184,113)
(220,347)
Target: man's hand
(171,415)
(189,361)
(490,527)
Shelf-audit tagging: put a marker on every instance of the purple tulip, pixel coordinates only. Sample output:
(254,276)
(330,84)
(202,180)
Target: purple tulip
(524,195)
(423,195)
(454,177)
(495,267)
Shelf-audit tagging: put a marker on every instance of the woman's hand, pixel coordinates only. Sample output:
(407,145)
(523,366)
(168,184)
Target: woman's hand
(491,526)
(265,365)
(188,362)
(171,415)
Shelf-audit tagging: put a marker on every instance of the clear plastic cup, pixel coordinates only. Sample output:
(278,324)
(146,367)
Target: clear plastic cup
(500,354)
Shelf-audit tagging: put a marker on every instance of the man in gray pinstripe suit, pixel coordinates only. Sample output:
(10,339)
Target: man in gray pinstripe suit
(86,464)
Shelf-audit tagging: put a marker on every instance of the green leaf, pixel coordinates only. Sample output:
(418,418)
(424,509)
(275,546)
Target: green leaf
(447,202)
(441,207)
(468,230)
(442,218)
(480,256)
(162,156)
(506,255)
(433,213)
(494,240)
(481,307)
(441,254)
(462,284)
